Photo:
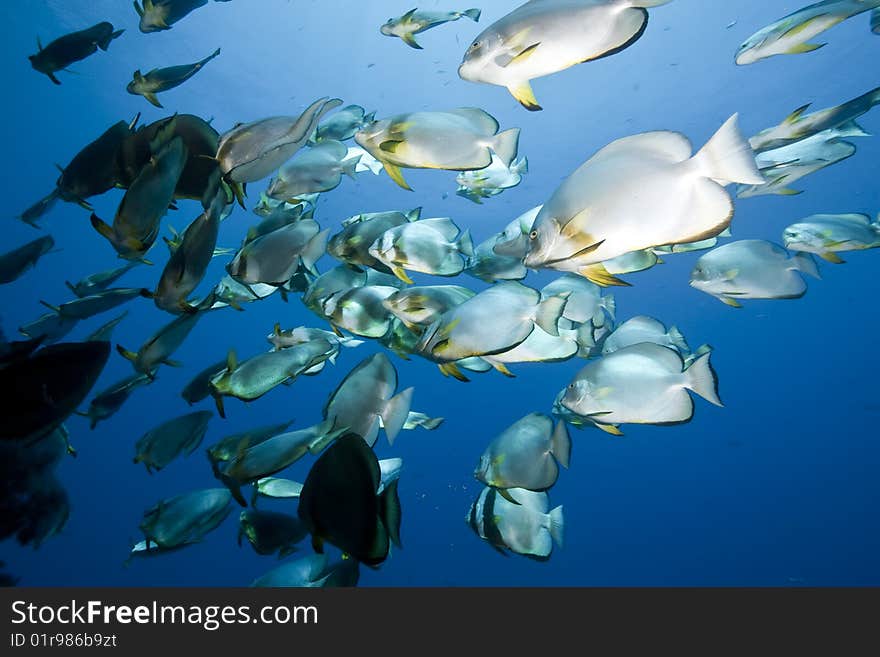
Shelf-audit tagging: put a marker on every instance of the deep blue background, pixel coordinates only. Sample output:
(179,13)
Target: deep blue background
(780,487)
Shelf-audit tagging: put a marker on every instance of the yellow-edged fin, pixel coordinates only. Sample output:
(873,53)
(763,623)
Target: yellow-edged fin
(396,175)
(522,91)
(597,274)
(832,257)
(501,367)
(804,47)
(391,145)
(608,428)
(733,303)
(401,274)
(794,116)
(152,99)
(410,40)
(788,191)
(451,369)
(525,54)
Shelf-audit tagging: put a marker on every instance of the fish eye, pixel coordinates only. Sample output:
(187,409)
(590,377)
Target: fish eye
(533,235)
(474,46)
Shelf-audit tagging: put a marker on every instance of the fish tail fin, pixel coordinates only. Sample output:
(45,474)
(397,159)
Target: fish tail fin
(211,56)
(560,444)
(804,263)
(316,247)
(678,341)
(350,342)
(549,312)
(395,412)
(702,380)
(610,306)
(852,129)
(473,14)
(390,513)
(557,526)
(506,145)
(105,43)
(520,166)
(349,166)
(465,244)
(727,157)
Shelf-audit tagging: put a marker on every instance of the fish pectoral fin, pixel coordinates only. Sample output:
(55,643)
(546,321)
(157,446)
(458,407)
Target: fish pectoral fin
(731,274)
(53,78)
(396,175)
(410,40)
(523,93)
(830,256)
(152,99)
(524,54)
(597,274)
(390,145)
(733,303)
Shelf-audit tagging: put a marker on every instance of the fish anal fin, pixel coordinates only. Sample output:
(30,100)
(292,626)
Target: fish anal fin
(410,40)
(523,93)
(597,274)
(803,48)
(396,175)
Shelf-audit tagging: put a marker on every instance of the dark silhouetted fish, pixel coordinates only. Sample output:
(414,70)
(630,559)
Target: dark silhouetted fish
(73,47)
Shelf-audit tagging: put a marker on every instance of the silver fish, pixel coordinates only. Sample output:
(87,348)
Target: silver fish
(752,269)
(252,151)
(526,455)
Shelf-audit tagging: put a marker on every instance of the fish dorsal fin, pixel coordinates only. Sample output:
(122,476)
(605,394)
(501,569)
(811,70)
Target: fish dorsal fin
(794,116)
(231,360)
(482,121)
(408,15)
(39,44)
(138,8)
(443,225)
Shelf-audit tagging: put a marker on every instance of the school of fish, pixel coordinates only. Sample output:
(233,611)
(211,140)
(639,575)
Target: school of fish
(629,205)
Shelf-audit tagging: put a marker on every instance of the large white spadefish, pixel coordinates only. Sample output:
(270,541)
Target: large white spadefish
(639,192)
(543,37)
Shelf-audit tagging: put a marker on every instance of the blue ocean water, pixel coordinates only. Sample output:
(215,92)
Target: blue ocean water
(779,487)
